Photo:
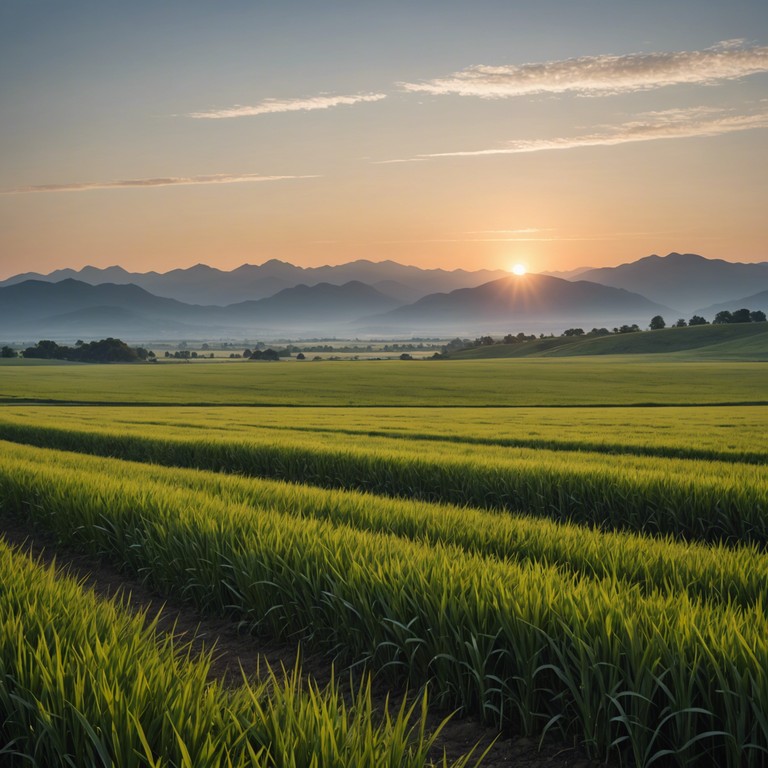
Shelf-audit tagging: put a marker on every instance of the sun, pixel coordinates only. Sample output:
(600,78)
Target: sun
(519,269)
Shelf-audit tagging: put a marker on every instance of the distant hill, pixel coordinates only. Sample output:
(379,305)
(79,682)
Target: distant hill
(34,299)
(206,285)
(73,308)
(684,280)
(305,305)
(738,341)
(108,320)
(569,274)
(752,303)
(525,299)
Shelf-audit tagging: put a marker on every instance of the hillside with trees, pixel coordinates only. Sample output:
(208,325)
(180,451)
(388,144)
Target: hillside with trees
(722,339)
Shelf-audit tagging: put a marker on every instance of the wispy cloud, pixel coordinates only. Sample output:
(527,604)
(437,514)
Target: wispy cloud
(603,75)
(565,238)
(669,124)
(608,236)
(167,181)
(525,231)
(272,106)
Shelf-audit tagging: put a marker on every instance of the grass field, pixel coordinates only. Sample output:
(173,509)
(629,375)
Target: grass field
(740,341)
(733,433)
(627,380)
(514,534)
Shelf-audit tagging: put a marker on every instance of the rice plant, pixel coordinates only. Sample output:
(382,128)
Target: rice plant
(623,670)
(86,682)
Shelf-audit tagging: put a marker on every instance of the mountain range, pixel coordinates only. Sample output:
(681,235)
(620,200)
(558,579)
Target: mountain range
(684,280)
(284,300)
(206,285)
(531,298)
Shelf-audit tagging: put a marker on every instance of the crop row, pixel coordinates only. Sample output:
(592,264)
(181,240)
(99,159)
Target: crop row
(85,682)
(715,573)
(706,501)
(525,645)
(735,433)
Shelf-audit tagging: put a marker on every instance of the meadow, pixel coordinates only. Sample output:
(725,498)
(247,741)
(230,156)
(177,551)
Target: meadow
(630,380)
(521,540)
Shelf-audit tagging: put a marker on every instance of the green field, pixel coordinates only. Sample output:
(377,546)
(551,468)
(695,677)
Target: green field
(747,341)
(733,433)
(575,547)
(532,382)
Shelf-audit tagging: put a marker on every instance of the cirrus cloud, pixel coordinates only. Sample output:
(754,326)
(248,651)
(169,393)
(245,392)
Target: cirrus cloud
(272,106)
(165,181)
(667,124)
(603,75)
(670,124)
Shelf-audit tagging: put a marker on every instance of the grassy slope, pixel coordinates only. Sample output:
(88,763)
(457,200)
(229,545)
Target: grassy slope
(748,341)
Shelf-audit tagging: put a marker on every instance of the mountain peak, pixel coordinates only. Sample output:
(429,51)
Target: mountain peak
(687,281)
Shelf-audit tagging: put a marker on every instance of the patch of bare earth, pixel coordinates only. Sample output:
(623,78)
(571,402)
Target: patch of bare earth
(235,650)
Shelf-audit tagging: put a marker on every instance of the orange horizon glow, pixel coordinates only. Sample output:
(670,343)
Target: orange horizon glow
(437,148)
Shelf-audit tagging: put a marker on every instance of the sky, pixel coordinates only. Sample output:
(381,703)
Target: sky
(482,134)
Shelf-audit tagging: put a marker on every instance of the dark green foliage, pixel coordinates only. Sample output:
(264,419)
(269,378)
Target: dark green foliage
(105,351)
(264,354)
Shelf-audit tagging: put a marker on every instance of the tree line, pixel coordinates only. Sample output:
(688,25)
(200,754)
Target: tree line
(104,351)
(657,322)
(725,317)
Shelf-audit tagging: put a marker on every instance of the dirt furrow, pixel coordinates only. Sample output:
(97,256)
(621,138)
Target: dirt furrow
(234,651)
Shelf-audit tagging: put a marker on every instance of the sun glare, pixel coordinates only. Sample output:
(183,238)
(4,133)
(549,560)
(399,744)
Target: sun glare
(519,269)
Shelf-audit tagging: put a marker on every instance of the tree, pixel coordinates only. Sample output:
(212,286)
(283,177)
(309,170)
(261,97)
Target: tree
(681,323)
(44,349)
(301,356)
(634,328)
(758,316)
(510,339)
(10,352)
(599,332)
(657,323)
(723,318)
(741,316)
(104,351)
(573,332)
(455,344)
(698,320)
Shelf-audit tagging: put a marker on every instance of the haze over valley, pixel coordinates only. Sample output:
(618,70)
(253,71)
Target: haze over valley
(397,300)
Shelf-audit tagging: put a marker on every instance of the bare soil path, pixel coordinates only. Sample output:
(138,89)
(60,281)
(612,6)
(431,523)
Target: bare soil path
(235,650)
